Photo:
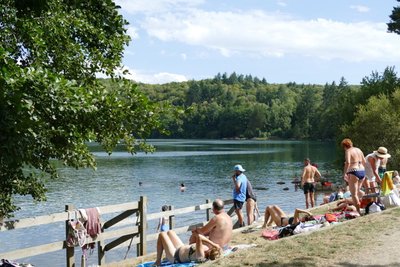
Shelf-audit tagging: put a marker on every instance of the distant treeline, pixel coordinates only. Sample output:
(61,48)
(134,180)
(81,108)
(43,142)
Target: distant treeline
(231,106)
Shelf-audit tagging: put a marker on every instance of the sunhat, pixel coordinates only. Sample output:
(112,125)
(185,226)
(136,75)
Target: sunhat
(239,168)
(382,152)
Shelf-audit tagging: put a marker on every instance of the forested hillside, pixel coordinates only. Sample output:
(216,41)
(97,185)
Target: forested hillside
(230,106)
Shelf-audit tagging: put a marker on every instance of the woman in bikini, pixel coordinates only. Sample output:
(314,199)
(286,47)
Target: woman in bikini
(177,252)
(354,170)
(278,216)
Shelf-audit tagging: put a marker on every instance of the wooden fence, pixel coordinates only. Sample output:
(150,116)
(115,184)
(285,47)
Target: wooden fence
(125,236)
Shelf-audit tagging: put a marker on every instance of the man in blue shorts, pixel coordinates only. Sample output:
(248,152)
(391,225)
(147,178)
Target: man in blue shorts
(239,191)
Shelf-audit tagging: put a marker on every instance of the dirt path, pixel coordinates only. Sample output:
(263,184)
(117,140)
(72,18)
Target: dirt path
(381,252)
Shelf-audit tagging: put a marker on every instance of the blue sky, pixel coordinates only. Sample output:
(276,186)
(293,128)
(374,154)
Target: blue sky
(302,41)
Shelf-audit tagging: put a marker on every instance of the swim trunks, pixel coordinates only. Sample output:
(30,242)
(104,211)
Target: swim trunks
(237,204)
(360,174)
(308,188)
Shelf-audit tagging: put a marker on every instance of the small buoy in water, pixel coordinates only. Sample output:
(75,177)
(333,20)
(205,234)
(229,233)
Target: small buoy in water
(286,188)
(280,182)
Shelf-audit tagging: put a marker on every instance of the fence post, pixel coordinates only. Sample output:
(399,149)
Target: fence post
(101,259)
(171,219)
(143,225)
(69,251)
(208,211)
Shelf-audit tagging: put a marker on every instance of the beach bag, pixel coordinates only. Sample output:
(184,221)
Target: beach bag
(374,207)
(76,233)
(391,200)
(270,234)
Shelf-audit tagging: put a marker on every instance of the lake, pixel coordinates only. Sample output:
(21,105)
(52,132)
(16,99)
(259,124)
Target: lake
(204,166)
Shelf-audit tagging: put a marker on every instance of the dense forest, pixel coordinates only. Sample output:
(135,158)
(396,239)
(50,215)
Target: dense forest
(242,106)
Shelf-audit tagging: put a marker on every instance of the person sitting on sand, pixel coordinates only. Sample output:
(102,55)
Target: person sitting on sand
(278,216)
(348,204)
(177,252)
(334,196)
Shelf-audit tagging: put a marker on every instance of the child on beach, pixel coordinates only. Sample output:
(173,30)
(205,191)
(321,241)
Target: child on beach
(164,221)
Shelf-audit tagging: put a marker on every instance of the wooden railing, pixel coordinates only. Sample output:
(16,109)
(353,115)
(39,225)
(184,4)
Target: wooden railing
(125,236)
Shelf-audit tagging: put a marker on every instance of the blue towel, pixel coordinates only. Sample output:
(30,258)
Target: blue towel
(167,264)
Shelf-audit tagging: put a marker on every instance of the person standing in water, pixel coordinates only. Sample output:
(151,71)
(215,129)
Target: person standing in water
(307,182)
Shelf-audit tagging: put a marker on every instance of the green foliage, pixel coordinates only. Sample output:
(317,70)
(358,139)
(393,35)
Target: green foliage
(394,24)
(377,123)
(51,104)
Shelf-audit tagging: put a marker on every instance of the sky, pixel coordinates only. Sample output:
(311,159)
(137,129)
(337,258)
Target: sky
(302,41)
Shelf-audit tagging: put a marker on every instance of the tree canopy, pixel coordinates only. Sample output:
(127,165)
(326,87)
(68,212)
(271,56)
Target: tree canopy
(51,103)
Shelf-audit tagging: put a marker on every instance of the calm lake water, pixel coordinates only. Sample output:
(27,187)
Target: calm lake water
(204,166)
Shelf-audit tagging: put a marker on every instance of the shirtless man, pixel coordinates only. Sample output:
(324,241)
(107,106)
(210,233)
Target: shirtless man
(218,229)
(307,182)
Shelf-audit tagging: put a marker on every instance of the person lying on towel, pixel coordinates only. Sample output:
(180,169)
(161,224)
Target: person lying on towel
(278,216)
(177,252)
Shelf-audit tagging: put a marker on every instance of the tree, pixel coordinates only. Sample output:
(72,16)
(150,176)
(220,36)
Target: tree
(377,123)
(51,103)
(394,24)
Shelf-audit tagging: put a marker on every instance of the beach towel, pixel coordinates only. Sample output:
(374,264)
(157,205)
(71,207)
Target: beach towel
(270,234)
(167,264)
(387,183)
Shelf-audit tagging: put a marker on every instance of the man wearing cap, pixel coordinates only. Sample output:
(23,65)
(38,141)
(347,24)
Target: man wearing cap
(239,191)
(372,162)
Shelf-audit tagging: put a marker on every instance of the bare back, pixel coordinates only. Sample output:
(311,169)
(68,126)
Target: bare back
(309,173)
(221,233)
(354,159)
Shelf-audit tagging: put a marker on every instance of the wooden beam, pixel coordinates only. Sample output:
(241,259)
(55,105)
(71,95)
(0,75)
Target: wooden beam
(119,218)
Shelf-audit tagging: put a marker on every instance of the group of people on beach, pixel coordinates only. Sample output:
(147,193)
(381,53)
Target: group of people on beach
(209,241)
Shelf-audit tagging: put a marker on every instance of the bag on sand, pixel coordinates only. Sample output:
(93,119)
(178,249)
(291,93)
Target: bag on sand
(391,200)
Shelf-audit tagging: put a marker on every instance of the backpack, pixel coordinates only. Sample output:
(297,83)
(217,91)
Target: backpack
(76,233)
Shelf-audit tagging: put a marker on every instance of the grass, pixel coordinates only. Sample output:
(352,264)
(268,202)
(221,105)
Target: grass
(329,246)
(326,247)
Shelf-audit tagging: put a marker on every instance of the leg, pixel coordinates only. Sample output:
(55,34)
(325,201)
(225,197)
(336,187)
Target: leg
(266,217)
(176,241)
(239,213)
(306,195)
(312,199)
(353,186)
(165,243)
(250,205)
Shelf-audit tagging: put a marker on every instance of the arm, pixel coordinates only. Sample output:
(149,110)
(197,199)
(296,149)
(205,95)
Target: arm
(206,229)
(236,183)
(302,177)
(318,174)
(376,174)
(159,224)
(346,164)
(201,245)
(297,213)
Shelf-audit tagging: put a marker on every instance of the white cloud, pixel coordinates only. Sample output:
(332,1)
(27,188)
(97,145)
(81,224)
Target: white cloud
(281,3)
(257,33)
(183,56)
(156,6)
(361,9)
(145,77)
(133,32)
(153,78)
